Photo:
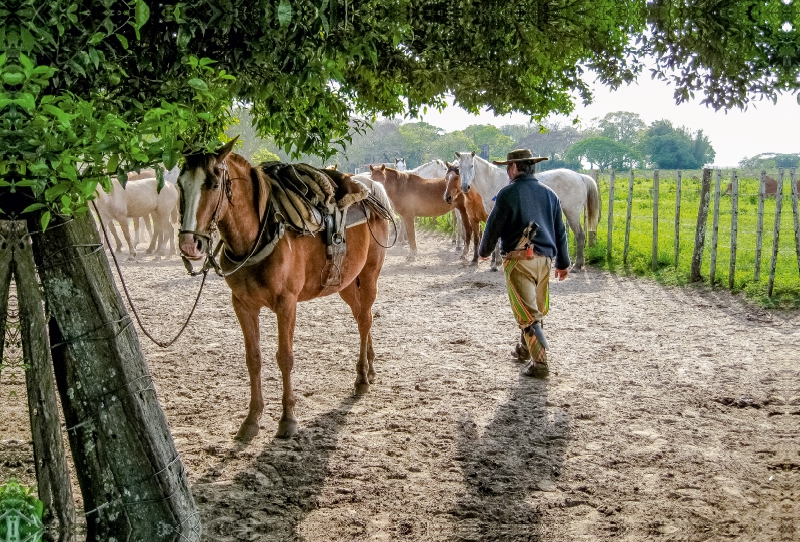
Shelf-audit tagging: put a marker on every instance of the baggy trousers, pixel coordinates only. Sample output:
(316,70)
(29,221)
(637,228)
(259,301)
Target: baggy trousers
(529,294)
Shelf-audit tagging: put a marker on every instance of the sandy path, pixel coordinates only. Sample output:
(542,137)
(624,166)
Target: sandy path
(670,412)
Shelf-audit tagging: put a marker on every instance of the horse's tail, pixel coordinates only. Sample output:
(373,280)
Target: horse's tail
(173,215)
(378,192)
(592,203)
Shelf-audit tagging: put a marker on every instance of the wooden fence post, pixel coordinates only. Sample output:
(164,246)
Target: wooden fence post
(628,221)
(5,280)
(610,214)
(734,226)
(592,234)
(700,230)
(655,221)
(677,217)
(52,474)
(776,233)
(760,224)
(715,230)
(796,215)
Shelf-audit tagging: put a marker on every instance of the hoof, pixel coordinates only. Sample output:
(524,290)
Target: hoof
(493,269)
(286,429)
(474,262)
(578,266)
(411,258)
(361,388)
(247,432)
(371,377)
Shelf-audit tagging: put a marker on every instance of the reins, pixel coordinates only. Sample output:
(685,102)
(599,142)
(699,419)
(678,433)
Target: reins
(161,344)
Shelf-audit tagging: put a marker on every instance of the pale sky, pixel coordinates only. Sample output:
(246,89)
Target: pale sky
(764,127)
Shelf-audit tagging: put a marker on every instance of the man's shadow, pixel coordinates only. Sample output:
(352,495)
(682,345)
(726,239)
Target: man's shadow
(510,465)
(269,499)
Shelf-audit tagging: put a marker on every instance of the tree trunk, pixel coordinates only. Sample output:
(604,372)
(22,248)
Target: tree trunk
(133,483)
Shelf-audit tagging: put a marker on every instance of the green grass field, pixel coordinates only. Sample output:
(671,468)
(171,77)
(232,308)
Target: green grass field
(786,291)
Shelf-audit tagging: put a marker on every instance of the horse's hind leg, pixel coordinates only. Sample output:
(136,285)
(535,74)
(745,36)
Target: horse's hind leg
(580,239)
(248,320)
(360,296)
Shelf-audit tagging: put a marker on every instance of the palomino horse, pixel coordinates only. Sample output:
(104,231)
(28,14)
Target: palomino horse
(574,190)
(414,196)
(473,203)
(140,198)
(432,170)
(223,191)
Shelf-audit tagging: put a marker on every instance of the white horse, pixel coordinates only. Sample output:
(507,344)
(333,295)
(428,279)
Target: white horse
(140,198)
(400,164)
(575,191)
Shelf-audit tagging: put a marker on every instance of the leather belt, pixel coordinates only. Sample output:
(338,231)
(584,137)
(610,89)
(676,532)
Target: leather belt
(521,255)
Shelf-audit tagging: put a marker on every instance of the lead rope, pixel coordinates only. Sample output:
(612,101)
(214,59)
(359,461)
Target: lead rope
(161,344)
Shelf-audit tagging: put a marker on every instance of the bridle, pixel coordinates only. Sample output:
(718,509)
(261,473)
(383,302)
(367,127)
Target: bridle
(206,245)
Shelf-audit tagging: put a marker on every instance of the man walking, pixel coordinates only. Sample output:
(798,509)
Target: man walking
(527,221)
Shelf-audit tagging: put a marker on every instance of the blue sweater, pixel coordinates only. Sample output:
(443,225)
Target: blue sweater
(523,201)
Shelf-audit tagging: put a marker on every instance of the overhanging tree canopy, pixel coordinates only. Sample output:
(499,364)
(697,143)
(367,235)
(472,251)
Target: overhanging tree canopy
(119,85)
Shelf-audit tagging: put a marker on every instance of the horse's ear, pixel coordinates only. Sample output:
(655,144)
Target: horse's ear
(226,149)
(447,164)
(473,153)
(457,156)
(383,167)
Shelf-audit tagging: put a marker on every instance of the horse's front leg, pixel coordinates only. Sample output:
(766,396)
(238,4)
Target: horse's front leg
(286,311)
(248,320)
(408,220)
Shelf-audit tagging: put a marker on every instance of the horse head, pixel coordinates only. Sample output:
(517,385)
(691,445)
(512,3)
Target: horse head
(452,182)
(204,183)
(378,173)
(400,164)
(466,166)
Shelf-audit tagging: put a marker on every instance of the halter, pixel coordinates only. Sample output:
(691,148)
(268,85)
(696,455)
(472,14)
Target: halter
(206,236)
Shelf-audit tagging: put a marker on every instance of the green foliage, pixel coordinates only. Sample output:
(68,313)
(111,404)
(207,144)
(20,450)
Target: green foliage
(668,147)
(622,126)
(603,152)
(18,501)
(770,160)
(264,155)
(729,51)
(485,134)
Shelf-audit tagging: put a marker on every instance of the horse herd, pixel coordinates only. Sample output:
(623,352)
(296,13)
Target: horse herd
(466,188)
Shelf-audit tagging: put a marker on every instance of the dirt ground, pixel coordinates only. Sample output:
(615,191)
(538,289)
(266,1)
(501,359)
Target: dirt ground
(670,413)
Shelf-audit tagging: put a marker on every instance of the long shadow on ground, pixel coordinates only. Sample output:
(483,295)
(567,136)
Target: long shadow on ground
(517,457)
(280,487)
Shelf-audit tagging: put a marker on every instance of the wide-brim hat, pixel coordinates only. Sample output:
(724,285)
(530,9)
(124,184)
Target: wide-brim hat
(520,155)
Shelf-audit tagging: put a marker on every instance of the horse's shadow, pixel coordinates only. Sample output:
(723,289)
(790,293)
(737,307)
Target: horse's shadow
(279,488)
(513,464)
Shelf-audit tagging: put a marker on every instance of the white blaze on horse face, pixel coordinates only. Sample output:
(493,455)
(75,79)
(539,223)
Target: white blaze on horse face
(191,183)
(466,167)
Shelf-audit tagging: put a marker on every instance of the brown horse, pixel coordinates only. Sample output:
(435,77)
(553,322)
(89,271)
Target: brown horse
(223,191)
(414,196)
(473,203)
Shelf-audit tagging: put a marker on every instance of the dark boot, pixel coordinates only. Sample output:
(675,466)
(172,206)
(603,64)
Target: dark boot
(521,351)
(536,369)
